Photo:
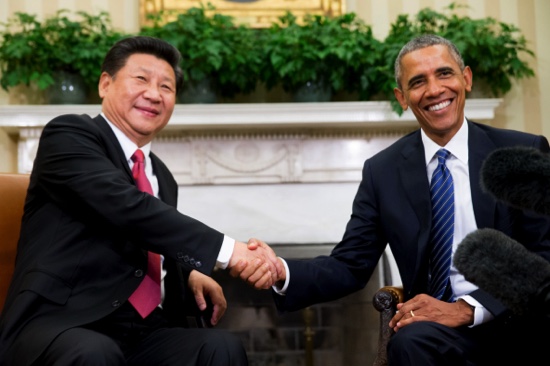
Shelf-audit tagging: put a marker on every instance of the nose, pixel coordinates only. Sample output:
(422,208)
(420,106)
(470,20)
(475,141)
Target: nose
(152,93)
(434,87)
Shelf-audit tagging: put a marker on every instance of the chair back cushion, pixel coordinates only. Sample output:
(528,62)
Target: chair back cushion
(13,190)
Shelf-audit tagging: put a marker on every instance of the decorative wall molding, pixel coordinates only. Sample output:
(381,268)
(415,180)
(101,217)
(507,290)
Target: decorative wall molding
(254,143)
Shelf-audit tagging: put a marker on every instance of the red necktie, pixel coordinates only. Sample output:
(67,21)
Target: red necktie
(147,296)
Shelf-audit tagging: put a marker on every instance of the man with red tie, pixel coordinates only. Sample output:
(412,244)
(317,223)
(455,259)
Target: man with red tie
(100,216)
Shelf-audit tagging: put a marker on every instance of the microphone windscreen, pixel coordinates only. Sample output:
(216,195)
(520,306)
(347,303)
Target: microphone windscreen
(504,268)
(519,176)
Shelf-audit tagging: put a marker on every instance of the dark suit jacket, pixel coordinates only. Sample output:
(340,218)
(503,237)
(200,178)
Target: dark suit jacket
(392,205)
(84,237)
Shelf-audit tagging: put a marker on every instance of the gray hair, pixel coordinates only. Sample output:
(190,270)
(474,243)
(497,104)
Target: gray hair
(423,41)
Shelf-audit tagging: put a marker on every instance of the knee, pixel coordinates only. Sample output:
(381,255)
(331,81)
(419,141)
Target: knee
(101,351)
(85,348)
(408,338)
(220,346)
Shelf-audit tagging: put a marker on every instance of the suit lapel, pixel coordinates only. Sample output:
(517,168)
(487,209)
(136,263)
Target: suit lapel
(110,135)
(479,146)
(165,193)
(412,173)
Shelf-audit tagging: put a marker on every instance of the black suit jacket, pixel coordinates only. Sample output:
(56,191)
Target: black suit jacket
(84,237)
(392,206)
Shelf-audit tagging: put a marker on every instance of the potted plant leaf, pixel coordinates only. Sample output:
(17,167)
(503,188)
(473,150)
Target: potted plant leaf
(495,51)
(321,53)
(61,55)
(220,58)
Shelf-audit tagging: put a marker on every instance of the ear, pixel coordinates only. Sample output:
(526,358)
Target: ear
(105,81)
(400,98)
(468,78)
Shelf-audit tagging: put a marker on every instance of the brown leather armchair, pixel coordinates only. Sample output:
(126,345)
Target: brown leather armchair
(385,300)
(13,190)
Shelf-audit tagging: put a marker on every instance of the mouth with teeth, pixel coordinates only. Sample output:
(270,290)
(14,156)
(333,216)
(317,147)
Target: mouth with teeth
(439,106)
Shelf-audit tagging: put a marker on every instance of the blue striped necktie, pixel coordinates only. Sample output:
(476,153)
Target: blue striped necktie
(443,213)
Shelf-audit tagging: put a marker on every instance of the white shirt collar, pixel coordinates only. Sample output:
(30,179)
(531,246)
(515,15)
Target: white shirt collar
(458,146)
(128,146)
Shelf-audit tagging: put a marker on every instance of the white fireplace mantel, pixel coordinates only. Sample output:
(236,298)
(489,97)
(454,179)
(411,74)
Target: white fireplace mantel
(13,118)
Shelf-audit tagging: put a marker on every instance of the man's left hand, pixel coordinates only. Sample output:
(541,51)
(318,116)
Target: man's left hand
(204,286)
(427,308)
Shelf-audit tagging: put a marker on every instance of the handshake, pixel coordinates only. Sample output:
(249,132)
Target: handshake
(256,264)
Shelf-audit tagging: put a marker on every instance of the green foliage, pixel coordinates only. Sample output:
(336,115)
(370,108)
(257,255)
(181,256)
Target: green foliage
(494,50)
(33,51)
(340,50)
(213,47)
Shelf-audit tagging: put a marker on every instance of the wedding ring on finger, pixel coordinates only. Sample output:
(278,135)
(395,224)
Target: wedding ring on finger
(412,314)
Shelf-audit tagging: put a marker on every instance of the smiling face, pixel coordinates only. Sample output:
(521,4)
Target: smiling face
(435,88)
(139,99)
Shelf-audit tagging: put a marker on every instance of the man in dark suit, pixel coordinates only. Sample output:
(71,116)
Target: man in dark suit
(393,206)
(90,237)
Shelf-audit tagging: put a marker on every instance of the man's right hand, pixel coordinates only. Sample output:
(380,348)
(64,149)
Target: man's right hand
(256,263)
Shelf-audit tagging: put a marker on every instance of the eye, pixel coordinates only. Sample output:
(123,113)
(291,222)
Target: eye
(415,83)
(166,87)
(446,73)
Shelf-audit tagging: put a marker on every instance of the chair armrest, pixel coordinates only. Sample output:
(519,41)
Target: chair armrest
(385,300)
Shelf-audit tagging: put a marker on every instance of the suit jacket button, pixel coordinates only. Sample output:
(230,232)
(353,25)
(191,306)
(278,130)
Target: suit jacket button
(186,258)
(179,255)
(138,273)
(115,304)
(192,261)
(198,264)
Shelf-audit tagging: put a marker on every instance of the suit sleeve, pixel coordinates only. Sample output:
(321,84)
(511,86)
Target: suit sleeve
(81,169)
(349,266)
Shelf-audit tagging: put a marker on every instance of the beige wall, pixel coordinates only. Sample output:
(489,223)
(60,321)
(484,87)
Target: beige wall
(527,106)
(524,108)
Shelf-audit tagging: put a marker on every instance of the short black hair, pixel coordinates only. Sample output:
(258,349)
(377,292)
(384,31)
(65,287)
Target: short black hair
(120,52)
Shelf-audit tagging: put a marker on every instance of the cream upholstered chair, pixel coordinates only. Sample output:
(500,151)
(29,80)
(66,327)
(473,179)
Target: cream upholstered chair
(13,190)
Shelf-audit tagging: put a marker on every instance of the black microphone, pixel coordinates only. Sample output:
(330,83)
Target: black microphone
(519,176)
(504,268)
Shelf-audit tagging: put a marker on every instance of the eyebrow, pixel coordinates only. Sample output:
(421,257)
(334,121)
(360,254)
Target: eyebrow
(414,79)
(149,71)
(422,76)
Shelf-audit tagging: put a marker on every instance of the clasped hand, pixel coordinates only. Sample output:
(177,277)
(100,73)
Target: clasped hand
(256,263)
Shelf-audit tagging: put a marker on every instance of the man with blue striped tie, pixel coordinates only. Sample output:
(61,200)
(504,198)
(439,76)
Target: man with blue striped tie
(445,320)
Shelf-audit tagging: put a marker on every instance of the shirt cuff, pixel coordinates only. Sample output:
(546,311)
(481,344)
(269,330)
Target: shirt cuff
(282,290)
(481,315)
(226,251)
